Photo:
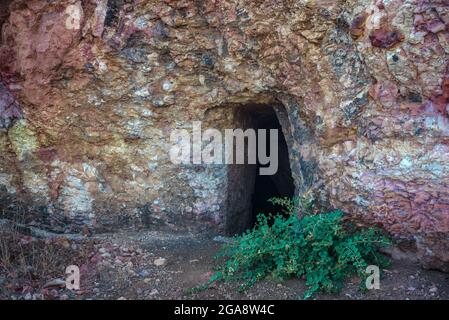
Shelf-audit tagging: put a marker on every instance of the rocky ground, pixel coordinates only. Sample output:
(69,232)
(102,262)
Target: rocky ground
(165,265)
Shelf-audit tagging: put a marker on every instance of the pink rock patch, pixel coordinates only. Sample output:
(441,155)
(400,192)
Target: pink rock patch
(386,39)
(435,26)
(9,108)
(442,101)
(385,92)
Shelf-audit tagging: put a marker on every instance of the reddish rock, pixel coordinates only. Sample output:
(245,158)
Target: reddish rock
(357,27)
(436,26)
(386,93)
(9,108)
(384,38)
(380,4)
(441,102)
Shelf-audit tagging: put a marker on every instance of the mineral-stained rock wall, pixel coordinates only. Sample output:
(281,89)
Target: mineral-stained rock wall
(91,89)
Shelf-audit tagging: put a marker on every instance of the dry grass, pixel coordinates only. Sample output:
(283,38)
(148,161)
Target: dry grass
(27,261)
(27,257)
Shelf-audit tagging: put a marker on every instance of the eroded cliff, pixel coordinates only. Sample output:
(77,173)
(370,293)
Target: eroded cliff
(90,91)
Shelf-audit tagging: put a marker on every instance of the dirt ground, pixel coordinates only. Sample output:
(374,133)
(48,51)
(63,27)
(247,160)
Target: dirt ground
(166,265)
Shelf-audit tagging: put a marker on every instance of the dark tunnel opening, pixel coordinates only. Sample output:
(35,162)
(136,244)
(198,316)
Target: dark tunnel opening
(249,190)
(268,186)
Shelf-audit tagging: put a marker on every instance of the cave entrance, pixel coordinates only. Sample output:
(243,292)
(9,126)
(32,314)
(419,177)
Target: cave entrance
(248,190)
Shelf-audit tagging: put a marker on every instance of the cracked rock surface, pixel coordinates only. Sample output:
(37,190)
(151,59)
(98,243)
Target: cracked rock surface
(91,89)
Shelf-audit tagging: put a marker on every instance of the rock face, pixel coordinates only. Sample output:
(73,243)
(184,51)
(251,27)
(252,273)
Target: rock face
(91,90)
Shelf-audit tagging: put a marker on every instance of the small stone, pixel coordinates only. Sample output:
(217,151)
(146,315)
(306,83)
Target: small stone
(106,255)
(144,273)
(433,289)
(55,283)
(65,243)
(122,298)
(386,39)
(160,262)
(147,280)
(222,239)
(28,296)
(154,292)
(358,25)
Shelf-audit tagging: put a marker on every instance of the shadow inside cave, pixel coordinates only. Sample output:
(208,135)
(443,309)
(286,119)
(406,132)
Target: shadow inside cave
(248,190)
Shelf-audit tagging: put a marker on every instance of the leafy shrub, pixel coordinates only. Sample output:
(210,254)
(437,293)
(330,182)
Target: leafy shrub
(318,247)
(297,205)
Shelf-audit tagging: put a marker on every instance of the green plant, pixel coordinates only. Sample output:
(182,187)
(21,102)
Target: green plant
(318,247)
(296,205)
